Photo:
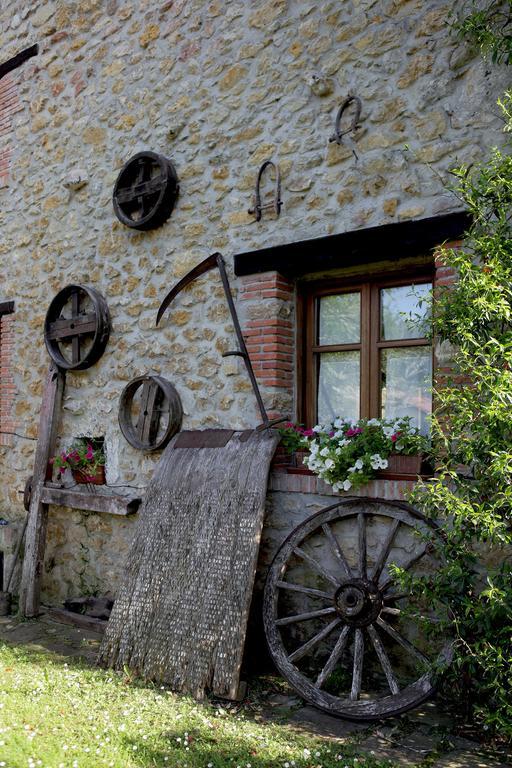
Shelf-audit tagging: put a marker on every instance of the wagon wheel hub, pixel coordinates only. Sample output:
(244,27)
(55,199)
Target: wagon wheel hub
(358,602)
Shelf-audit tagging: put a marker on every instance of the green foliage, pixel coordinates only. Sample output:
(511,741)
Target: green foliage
(292,437)
(472,447)
(489,26)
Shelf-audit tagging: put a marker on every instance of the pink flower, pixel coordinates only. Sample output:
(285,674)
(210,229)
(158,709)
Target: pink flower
(90,453)
(289,425)
(395,437)
(308,433)
(353,431)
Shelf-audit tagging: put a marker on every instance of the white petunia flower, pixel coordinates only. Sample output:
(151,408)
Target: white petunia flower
(324,452)
(359,464)
(329,463)
(347,485)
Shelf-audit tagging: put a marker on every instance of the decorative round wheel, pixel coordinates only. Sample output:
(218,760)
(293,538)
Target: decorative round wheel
(77,327)
(338,627)
(145,191)
(150,412)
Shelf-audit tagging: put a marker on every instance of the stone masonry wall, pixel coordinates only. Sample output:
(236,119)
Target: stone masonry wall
(218,87)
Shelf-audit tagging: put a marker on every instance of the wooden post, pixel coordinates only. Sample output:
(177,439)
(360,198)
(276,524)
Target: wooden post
(35,541)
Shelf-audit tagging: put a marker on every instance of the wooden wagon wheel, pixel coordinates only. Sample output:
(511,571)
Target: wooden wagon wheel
(337,628)
(77,327)
(144,427)
(145,191)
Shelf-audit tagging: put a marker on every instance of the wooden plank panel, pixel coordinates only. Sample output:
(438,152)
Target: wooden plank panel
(181,614)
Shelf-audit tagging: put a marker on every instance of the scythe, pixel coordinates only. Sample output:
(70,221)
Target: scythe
(216,260)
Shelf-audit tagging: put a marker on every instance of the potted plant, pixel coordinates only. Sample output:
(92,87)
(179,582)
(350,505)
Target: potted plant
(86,460)
(348,454)
(294,444)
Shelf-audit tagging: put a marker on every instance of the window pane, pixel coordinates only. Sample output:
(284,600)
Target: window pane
(406,382)
(405,312)
(340,319)
(338,386)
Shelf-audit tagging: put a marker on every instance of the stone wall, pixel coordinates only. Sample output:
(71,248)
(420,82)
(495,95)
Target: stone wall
(218,87)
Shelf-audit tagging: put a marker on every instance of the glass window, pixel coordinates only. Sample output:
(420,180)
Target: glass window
(369,354)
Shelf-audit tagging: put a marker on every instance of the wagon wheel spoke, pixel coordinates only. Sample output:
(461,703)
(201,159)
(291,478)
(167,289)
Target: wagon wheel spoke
(337,551)
(305,590)
(386,548)
(357,669)
(401,640)
(300,652)
(361,532)
(305,616)
(316,566)
(389,581)
(396,597)
(334,657)
(391,611)
(384,659)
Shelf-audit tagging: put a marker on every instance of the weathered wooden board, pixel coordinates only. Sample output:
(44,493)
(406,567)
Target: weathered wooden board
(93,502)
(35,540)
(181,614)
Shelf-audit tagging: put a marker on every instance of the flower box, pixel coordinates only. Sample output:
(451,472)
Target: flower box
(404,465)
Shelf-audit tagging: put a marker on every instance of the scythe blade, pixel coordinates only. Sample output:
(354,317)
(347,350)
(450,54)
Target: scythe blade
(200,269)
(216,260)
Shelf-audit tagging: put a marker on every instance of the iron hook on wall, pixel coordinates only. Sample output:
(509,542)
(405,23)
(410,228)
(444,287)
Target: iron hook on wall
(276,203)
(354,125)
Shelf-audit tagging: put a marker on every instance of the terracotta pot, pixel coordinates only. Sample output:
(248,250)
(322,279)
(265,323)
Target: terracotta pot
(81,476)
(405,465)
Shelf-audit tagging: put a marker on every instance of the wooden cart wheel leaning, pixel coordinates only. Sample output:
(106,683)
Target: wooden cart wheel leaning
(77,327)
(150,423)
(338,627)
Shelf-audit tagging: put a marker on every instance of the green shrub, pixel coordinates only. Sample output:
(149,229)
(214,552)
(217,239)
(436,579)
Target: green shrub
(472,448)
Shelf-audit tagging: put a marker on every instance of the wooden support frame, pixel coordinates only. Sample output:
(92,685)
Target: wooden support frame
(35,541)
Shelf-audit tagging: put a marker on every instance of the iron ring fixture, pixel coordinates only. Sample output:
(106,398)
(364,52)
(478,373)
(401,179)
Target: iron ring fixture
(338,133)
(276,202)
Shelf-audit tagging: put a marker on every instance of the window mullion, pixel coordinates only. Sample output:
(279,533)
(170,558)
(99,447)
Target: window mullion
(373,352)
(365,351)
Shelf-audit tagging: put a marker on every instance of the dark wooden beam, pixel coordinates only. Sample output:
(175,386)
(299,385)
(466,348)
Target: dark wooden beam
(18,60)
(389,241)
(6,307)
(77,619)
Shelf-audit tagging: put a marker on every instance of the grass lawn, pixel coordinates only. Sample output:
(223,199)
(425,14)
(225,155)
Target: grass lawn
(56,714)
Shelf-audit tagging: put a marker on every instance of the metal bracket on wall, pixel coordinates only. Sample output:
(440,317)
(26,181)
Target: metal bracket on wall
(276,203)
(354,125)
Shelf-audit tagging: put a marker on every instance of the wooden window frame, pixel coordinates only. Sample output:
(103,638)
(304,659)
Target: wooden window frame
(370,343)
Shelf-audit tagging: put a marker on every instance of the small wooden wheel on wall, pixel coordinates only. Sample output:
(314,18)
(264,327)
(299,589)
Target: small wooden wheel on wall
(145,191)
(77,327)
(338,627)
(150,412)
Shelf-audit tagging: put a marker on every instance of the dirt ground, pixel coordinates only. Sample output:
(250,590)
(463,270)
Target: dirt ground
(422,738)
